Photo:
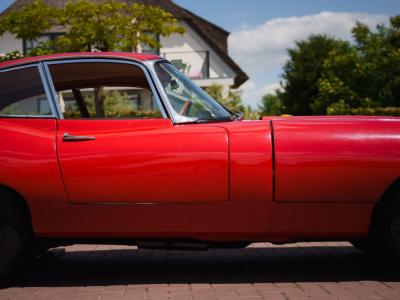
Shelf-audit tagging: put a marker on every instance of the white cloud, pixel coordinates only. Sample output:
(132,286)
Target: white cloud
(254,94)
(261,51)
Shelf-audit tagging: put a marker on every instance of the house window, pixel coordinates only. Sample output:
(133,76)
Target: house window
(194,64)
(147,49)
(44,37)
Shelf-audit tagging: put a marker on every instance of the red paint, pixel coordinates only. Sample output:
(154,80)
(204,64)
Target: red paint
(250,213)
(28,160)
(205,181)
(144,161)
(122,55)
(335,159)
(245,217)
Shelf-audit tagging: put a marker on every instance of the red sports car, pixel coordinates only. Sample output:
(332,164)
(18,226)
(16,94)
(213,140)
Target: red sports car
(123,148)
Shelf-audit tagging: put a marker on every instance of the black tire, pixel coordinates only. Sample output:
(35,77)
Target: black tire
(13,233)
(361,244)
(395,224)
(384,236)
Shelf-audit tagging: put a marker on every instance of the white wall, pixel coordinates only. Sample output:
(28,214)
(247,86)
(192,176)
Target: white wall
(8,43)
(189,42)
(173,46)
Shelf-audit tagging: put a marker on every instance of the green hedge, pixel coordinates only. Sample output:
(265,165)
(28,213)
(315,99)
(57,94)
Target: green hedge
(341,108)
(11,56)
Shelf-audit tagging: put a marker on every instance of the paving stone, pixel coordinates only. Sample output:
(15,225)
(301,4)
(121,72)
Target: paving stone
(323,270)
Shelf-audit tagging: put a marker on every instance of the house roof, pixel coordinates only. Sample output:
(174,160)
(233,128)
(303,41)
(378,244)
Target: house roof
(215,36)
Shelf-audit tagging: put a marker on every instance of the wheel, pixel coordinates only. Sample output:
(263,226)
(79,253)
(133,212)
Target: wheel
(13,234)
(395,224)
(361,244)
(384,235)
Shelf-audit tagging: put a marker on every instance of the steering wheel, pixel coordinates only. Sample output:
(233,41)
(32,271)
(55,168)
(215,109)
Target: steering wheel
(185,108)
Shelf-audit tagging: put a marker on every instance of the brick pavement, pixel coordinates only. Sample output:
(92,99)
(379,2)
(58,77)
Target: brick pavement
(260,271)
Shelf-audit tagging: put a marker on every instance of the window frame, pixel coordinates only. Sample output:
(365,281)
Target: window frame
(45,86)
(175,117)
(153,88)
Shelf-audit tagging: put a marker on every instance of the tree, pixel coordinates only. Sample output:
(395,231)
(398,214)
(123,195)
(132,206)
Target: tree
(330,76)
(299,89)
(28,23)
(104,26)
(365,74)
(88,26)
(271,105)
(232,101)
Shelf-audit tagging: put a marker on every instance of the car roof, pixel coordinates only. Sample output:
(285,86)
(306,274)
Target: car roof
(35,59)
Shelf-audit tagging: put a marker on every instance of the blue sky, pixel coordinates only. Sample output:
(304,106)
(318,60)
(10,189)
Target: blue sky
(4,4)
(262,30)
(231,14)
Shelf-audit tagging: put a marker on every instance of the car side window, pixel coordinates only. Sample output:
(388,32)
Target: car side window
(22,93)
(89,90)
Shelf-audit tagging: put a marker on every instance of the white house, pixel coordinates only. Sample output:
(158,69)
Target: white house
(201,52)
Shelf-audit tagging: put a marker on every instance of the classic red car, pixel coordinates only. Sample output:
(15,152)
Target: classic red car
(123,148)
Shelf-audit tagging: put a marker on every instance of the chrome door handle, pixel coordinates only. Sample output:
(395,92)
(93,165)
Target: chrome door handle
(76,138)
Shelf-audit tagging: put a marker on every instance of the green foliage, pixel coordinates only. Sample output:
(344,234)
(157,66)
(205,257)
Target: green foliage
(330,76)
(30,21)
(271,105)
(342,108)
(301,73)
(251,114)
(232,101)
(11,56)
(116,105)
(104,26)
(366,74)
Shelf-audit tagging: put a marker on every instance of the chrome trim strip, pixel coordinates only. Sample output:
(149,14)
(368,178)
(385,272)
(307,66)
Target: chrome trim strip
(54,95)
(27,117)
(12,68)
(107,60)
(77,138)
(49,95)
(45,88)
(145,203)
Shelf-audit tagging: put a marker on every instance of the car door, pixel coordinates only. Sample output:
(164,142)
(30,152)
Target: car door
(116,145)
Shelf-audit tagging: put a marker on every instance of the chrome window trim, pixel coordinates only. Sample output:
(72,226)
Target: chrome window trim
(48,92)
(27,117)
(175,117)
(45,88)
(12,68)
(154,90)
(54,95)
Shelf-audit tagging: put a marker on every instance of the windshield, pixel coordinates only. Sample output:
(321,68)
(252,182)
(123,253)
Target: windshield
(187,99)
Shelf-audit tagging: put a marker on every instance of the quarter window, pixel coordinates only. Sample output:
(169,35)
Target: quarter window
(103,90)
(187,99)
(22,93)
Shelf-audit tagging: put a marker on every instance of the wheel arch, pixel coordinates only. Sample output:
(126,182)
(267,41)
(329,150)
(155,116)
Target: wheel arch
(21,204)
(390,190)
(384,201)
